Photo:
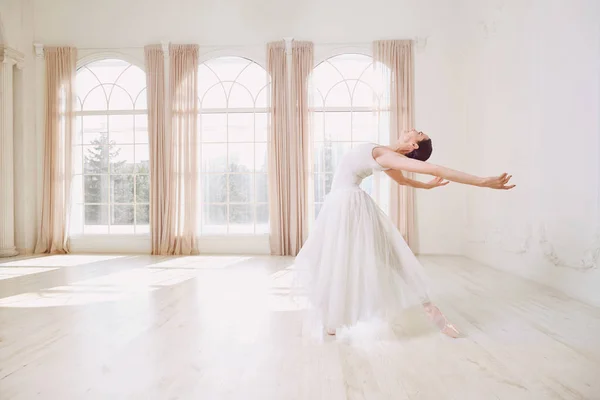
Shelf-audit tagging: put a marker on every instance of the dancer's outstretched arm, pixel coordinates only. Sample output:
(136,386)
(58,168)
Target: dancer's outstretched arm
(393,160)
(400,179)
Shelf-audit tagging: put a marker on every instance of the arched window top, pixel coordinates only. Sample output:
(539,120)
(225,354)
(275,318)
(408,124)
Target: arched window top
(345,81)
(232,82)
(111,84)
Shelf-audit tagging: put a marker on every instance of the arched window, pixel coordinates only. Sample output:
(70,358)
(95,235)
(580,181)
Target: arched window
(111,154)
(345,113)
(233,146)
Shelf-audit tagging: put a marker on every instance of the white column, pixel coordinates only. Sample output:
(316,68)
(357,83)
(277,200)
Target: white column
(40,98)
(8,59)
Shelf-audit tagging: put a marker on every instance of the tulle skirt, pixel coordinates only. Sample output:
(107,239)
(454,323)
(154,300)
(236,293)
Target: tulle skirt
(355,265)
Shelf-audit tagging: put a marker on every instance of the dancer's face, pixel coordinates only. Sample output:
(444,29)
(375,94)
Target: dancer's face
(410,140)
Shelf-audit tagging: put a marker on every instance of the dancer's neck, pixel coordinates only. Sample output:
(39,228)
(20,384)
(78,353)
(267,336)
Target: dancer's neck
(401,147)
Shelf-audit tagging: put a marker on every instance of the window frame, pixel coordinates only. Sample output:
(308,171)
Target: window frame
(133,112)
(254,204)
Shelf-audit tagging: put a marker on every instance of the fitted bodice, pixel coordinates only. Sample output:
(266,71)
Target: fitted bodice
(356,165)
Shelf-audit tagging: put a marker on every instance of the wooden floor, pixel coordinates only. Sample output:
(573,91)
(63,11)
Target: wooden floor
(143,327)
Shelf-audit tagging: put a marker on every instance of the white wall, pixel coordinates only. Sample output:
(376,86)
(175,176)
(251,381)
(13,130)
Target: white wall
(128,25)
(533,109)
(17,20)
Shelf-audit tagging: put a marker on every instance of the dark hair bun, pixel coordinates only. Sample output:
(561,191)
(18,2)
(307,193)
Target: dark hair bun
(423,152)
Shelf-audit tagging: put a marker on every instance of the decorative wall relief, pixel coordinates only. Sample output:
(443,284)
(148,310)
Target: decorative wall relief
(588,260)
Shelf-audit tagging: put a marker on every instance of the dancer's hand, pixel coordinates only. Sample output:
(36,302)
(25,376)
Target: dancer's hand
(498,182)
(436,182)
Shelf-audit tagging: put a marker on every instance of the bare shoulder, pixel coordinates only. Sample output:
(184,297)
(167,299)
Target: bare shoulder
(379,151)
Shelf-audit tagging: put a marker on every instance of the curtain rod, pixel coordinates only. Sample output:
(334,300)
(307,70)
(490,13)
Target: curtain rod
(419,41)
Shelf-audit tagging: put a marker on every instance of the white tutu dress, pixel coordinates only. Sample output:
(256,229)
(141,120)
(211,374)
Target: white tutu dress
(355,264)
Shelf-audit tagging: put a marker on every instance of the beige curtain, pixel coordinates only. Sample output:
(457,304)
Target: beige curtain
(302,65)
(279,195)
(159,177)
(58,134)
(289,146)
(181,159)
(394,60)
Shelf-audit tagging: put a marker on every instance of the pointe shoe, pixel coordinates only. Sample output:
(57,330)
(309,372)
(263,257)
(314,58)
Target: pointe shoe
(330,331)
(441,321)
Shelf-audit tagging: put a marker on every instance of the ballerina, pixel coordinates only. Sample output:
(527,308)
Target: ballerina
(356,262)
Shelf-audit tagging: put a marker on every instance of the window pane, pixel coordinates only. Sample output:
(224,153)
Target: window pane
(142,188)
(318,126)
(321,189)
(215,186)
(338,96)
(119,99)
(228,68)
(214,157)
(142,214)
(318,156)
(254,78)
(215,218)
(262,100)
(316,99)
(77,189)
(96,214)
(122,215)
(141,128)
(121,190)
(261,121)
(78,130)
(96,188)
(96,99)
(363,95)
(141,100)
(86,81)
(261,157)
(76,219)
(132,80)
(94,129)
(240,97)
(240,188)
(241,157)
(206,79)
(241,214)
(121,158)
(325,76)
(262,195)
(332,155)
(262,218)
(337,126)
(77,155)
(241,127)
(318,209)
(95,159)
(142,158)
(214,128)
(121,128)
(352,66)
(364,126)
(215,97)
(108,70)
